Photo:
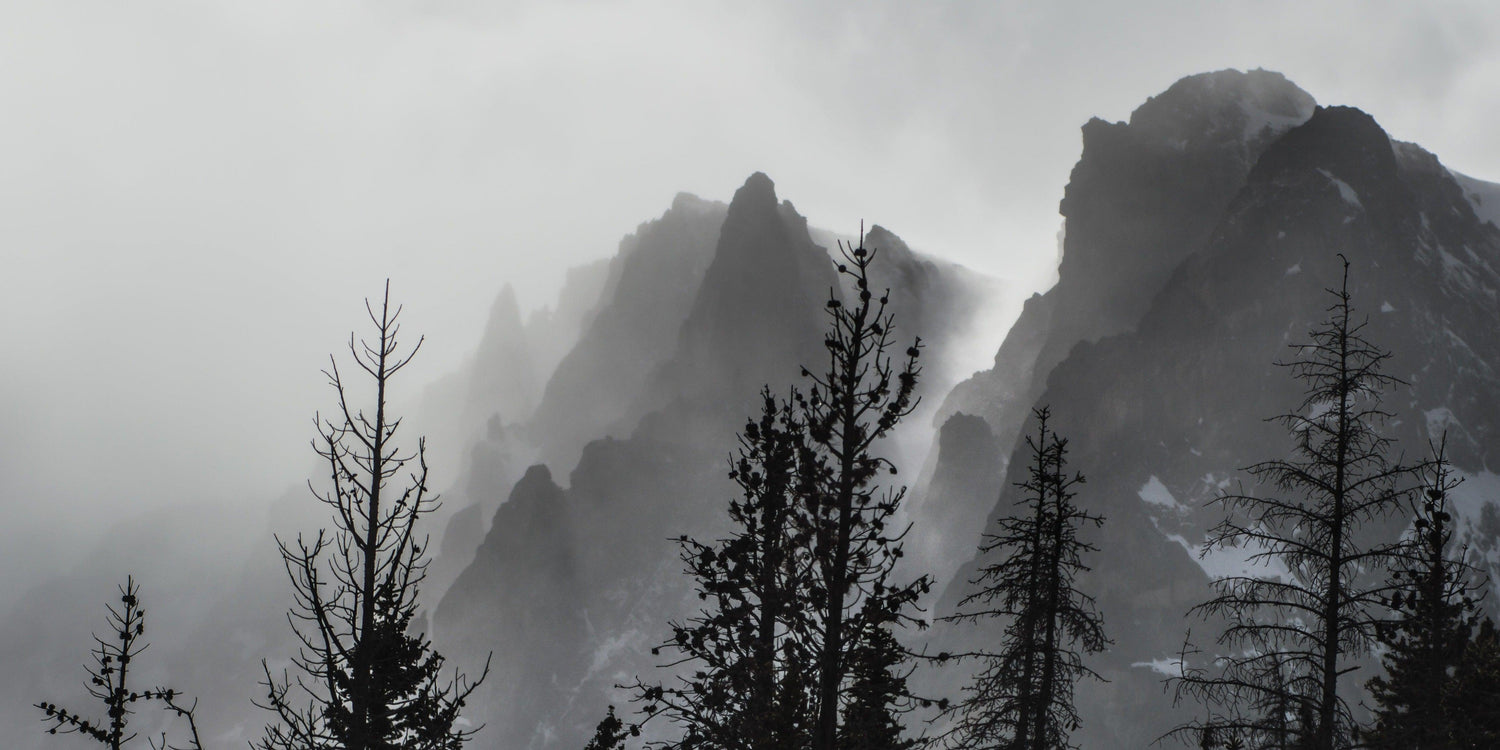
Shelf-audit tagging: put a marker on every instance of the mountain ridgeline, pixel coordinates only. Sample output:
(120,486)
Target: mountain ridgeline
(1200,238)
(577,579)
(1165,412)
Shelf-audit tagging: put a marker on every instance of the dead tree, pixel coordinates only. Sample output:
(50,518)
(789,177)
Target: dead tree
(1290,640)
(109,684)
(364,680)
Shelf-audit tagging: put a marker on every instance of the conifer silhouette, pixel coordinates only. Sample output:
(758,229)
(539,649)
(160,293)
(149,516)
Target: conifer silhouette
(1022,695)
(109,684)
(610,733)
(1434,606)
(1471,700)
(795,638)
(848,408)
(878,694)
(743,678)
(1289,641)
(366,681)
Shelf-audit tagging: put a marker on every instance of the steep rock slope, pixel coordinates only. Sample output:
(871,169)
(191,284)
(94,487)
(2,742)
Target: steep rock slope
(626,310)
(653,282)
(1162,417)
(611,576)
(1143,196)
(611,589)
(577,577)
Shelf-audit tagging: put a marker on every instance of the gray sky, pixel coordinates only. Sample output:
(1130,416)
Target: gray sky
(196,194)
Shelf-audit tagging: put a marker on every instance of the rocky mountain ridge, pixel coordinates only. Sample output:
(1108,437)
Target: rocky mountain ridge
(576,581)
(1163,413)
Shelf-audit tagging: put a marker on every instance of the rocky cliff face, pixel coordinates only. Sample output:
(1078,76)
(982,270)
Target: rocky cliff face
(1143,197)
(1163,413)
(653,283)
(756,315)
(574,584)
(1200,238)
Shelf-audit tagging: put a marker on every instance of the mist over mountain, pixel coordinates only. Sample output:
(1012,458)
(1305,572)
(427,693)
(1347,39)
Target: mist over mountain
(1200,238)
(1164,414)
(580,440)
(571,616)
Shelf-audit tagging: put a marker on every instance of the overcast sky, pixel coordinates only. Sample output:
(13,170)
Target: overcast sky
(196,194)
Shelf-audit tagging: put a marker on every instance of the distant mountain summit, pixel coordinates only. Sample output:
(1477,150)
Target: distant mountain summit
(1156,350)
(1143,197)
(1199,238)
(652,284)
(756,316)
(575,582)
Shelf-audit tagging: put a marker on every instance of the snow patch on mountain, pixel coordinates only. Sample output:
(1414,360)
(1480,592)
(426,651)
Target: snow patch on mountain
(1476,491)
(1234,562)
(1165,666)
(1476,504)
(1439,421)
(1209,480)
(1347,193)
(1153,492)
(611,647)
(1483,196)
(1216,562)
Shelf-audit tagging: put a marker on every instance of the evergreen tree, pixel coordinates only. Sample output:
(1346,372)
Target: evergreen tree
(1022,695)
(1434,608)
(367,681)
(796,638)
(1289,640)
(1276,711)
(877,692)
(1471,700)
(109,683)
(848,408)
(611,733)
(744,681)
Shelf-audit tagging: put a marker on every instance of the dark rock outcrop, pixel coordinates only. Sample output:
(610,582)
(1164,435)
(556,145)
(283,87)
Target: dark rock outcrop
(1162,414)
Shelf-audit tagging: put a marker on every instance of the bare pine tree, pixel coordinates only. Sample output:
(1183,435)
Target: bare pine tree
(1290,640)
(109,684)
(364,680)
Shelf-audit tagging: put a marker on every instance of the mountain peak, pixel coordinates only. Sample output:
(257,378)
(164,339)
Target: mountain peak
(756,313)
(757,194)
(877,234)
(506,308)
(1224,105)
(538,479)
(687,202)
(1342,141)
